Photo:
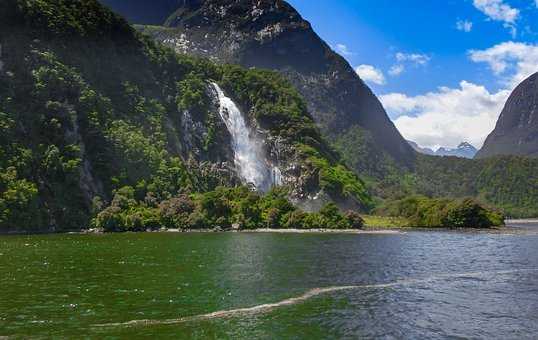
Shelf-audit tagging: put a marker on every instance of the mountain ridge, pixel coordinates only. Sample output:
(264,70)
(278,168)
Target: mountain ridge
(516,131)
(464,150)
(272,35)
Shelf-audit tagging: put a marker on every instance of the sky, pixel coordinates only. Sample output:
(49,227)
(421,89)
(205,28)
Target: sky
(442,69)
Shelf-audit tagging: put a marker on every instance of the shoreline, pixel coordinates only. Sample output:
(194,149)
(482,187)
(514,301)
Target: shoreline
(512,226)
(366,231)
(325,231)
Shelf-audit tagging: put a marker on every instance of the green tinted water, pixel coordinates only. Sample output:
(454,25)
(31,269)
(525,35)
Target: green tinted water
(70,285)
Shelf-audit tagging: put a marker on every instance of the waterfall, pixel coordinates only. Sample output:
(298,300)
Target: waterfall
(249,155)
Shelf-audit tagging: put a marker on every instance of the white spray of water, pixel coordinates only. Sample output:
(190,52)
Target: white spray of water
(249,154)
(313,293)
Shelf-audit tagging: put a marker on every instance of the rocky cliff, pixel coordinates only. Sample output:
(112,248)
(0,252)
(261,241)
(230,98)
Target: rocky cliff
(272,35)
(89,108)
(516,132)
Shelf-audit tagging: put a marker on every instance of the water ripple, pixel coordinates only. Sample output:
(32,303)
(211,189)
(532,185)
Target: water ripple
(264,308)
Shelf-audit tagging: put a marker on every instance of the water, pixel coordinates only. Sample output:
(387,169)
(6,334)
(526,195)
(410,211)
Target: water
(243,286)
(249,154)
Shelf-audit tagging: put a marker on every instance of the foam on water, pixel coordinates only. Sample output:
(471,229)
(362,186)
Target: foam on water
(264,308)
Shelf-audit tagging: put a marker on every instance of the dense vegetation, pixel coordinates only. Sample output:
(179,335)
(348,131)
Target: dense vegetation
(223,208)
(509,183)
(426,212)
(90,120)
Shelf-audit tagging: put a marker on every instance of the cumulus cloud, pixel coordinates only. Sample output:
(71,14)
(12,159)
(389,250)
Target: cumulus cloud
(497,10)
(512,61)
(398,69)
(371,74)
(447,116)
(403,59)
(343,50)
(469,112)
(415,58)
(465,26)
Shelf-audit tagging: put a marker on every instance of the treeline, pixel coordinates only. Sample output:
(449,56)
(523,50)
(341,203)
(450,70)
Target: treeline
(223,209)
(447,213)
(509,183)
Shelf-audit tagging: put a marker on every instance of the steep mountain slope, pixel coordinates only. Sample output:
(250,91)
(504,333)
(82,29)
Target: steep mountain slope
(516,132)
(90,109)
(154,12)
(271,34)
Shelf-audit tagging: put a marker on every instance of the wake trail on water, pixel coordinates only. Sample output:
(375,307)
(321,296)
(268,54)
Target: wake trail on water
(264,308)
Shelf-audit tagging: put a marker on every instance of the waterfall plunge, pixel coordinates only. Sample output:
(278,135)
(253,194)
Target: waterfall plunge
(248,150)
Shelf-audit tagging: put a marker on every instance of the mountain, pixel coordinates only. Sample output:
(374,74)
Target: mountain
(154,12)
(516,132)
(419,149)
(464,150)
(94,115)
(271,34)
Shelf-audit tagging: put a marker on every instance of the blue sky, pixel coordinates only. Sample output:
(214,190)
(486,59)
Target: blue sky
(443,69)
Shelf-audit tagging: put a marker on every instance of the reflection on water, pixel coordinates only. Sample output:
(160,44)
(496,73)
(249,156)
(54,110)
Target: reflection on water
(414,285)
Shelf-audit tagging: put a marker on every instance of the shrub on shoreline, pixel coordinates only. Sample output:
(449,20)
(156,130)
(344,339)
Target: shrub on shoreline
(443,213)
(223,208)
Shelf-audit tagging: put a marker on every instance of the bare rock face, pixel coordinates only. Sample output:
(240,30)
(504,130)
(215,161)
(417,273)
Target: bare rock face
(516,132)
(271,34)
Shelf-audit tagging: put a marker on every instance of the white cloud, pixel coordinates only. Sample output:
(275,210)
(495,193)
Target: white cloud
(448,116)
(468,113)
(397,69)
(465,25)
(370,74)
(403,59)
(343,50)
(418,59)
(512,61)
(497,10)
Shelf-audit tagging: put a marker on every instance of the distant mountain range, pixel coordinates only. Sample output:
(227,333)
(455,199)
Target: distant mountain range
(516,132)
(464,150)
